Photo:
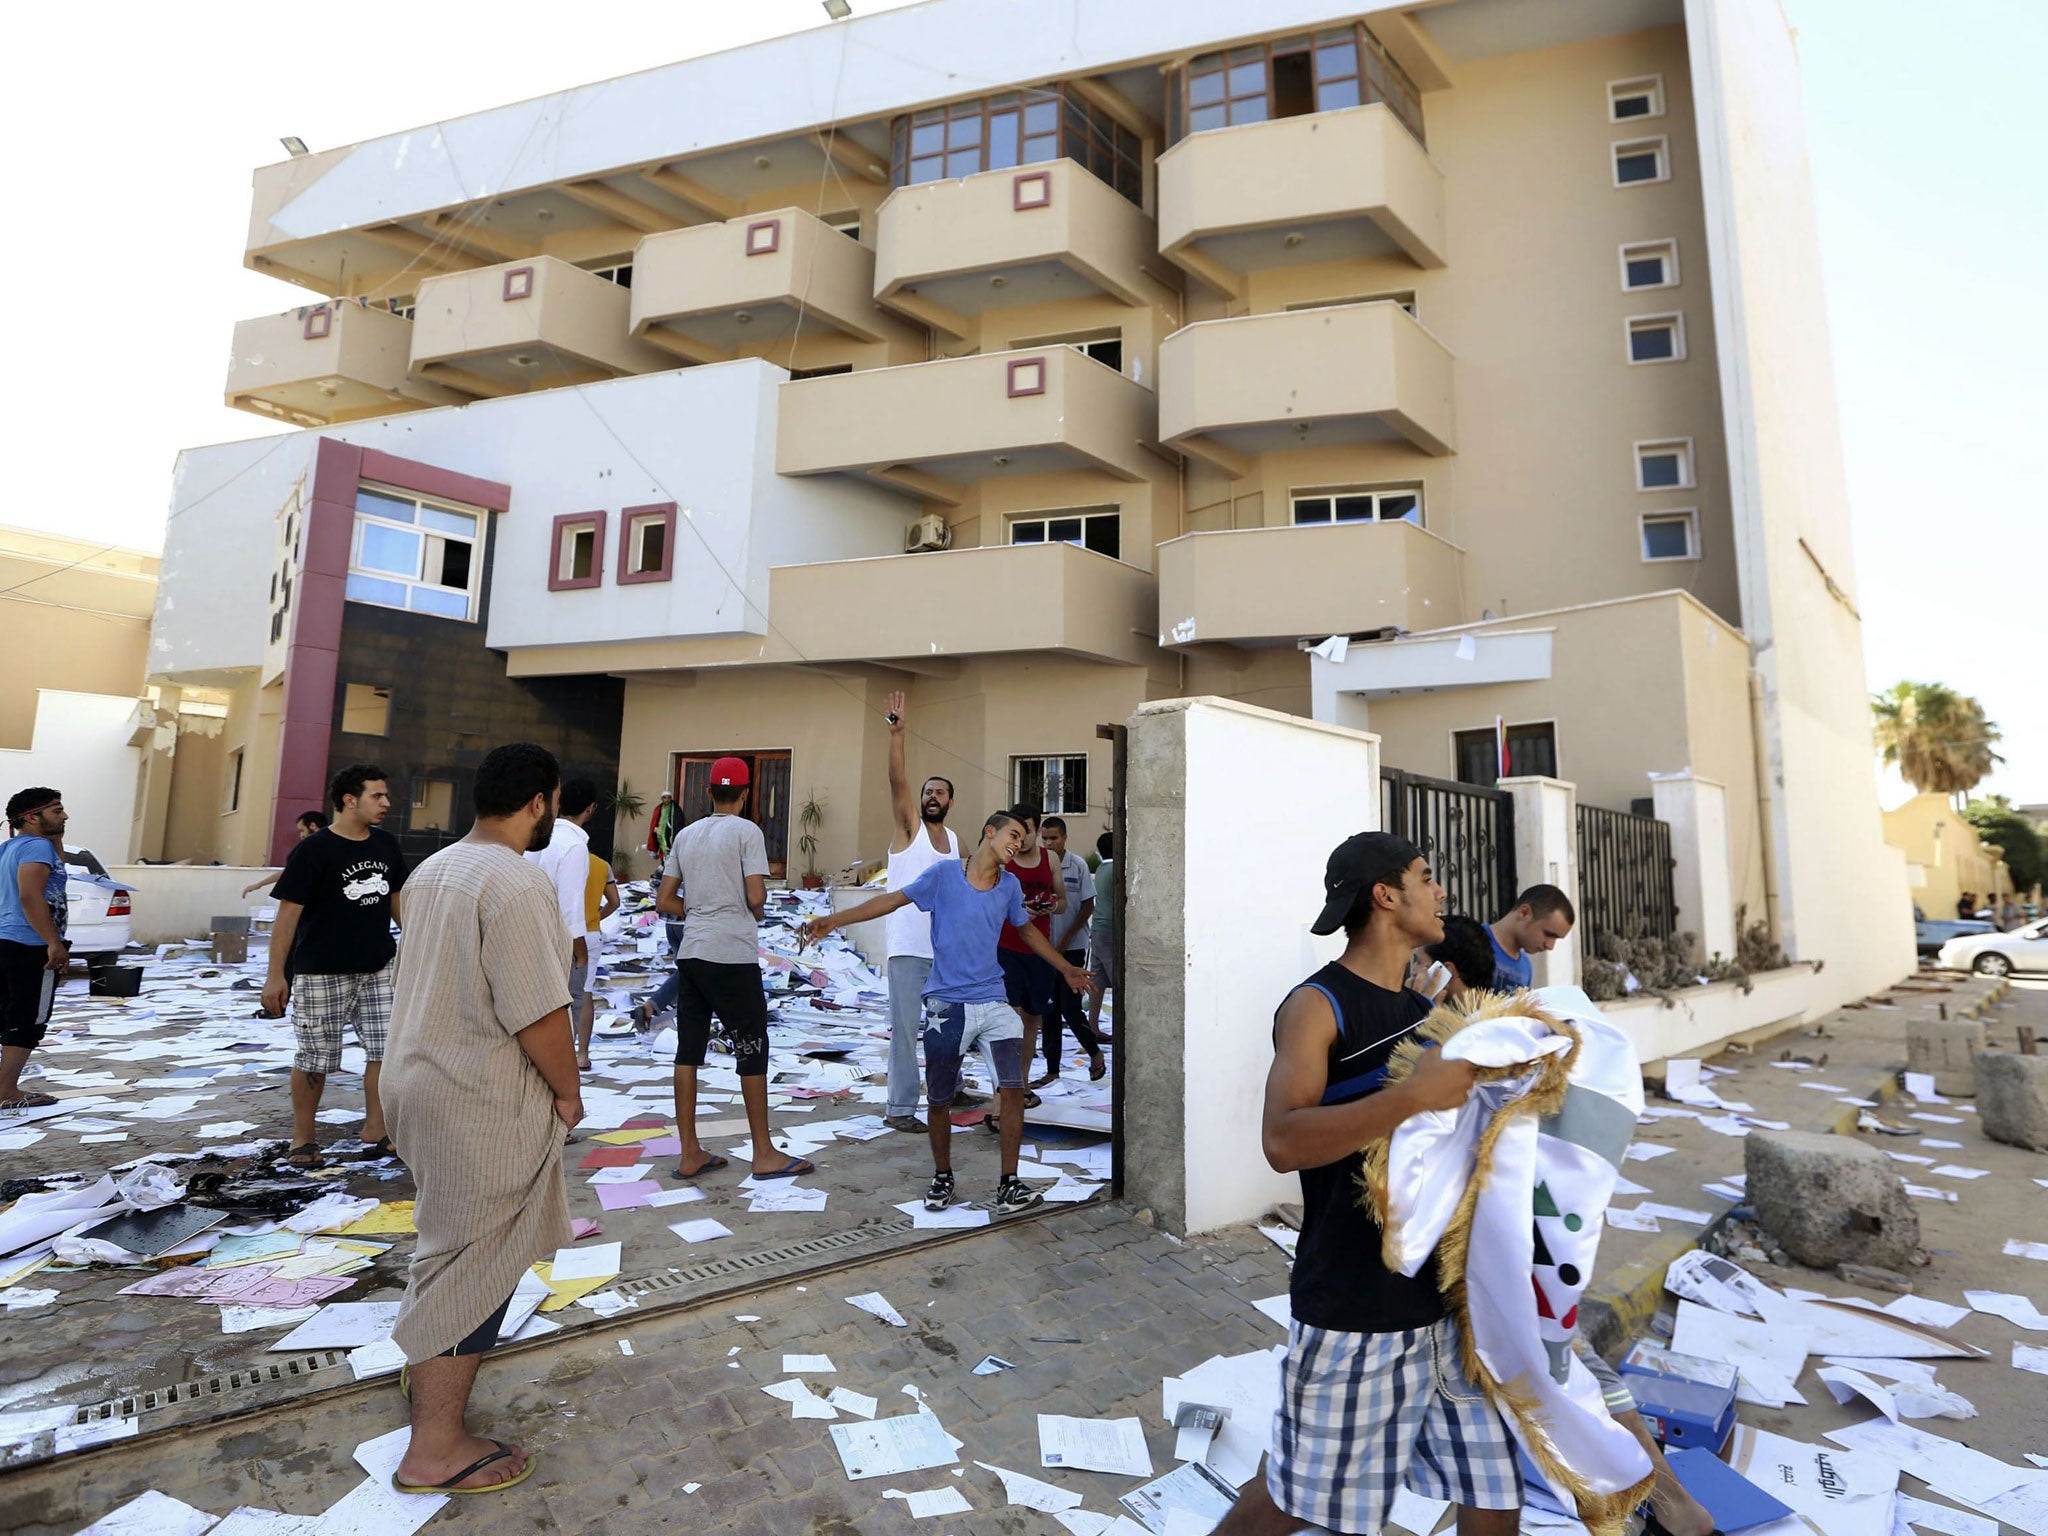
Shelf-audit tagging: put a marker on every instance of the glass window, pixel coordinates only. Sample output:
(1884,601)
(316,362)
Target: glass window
(1646,271)
(1642,97)
(1054,786)
(1658,339)
(366,709)
(389,549)
(1097,531)
(1663,466)
(390,507)
(1640,161)
(1341,67)
(462,524)
(1531,749)
(1014,129)
(445,605)
(1669,537)
(369,589)
(1360,504)
(414,554)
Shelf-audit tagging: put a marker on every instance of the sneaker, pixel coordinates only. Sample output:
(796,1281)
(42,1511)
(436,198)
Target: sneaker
(909,1124)
(940,1195)
(1013,1194)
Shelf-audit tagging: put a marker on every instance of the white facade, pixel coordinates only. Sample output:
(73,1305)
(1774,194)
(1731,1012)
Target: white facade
(82,749)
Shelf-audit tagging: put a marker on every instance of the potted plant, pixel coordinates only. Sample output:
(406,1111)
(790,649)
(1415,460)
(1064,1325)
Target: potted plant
(810,817)
(624,804)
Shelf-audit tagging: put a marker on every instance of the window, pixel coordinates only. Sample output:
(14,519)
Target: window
(995,133)
(1641,160)
(414,554)
(820,373)
(1106,347)
(231,784)
(848,224)
(647,537)
(619,272)
(1054,786)
(1406,299)
(1670,536)
(403,308)
(366,710)
(1360,504)
(1642,97)
(1656,339)
(1653,264)
(1291,77)
(1531,750)
(1098,531)
(433,806)
(576,563)
(1664,466)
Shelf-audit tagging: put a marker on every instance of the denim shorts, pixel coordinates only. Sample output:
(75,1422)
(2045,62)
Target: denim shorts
(951,1030)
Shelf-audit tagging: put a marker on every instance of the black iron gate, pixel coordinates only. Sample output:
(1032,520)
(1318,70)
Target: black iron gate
(1467,831)
(1625,884)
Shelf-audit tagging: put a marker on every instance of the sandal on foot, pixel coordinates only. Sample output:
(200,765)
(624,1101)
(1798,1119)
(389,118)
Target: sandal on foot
(1031,1100)
(1096,1070)
(503,1452)
(373,1151)
(305,1156)
(710,1165)
(1040,1082)
(29,1101)
(795,1170)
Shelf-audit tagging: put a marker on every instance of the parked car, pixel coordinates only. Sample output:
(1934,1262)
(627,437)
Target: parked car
(1999,954)
(1929,934)
(100,908)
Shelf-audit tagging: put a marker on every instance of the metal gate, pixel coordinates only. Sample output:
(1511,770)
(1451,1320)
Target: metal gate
(1625,886)
(1466,830)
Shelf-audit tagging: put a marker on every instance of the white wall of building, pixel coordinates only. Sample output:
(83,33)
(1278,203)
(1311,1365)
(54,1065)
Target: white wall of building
(1842,893)
(81,750)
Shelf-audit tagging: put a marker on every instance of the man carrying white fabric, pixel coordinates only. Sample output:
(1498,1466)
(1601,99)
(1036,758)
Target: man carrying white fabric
(1373,1396)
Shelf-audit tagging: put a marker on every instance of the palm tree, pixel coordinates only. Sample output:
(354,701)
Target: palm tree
(1938,738)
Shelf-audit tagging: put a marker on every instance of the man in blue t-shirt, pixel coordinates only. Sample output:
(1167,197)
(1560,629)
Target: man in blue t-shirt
(1539,921)
(33,954)
(964,1002)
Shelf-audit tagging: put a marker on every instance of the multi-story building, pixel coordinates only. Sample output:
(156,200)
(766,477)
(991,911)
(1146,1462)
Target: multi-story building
(1477,344)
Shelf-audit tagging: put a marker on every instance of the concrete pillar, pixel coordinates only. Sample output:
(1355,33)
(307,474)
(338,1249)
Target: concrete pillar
(1547,853)
(1702,879)
(1223,881)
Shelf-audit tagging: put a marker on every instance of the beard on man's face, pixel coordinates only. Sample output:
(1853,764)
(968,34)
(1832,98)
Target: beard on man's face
(543,832)
(933,811)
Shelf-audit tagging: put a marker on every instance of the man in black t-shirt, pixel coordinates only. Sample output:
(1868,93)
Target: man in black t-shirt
(1372,1394)
(331,946)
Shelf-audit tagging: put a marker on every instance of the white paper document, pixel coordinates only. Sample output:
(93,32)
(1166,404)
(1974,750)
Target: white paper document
(1093,1445)
(1767,1357)
(151,1514)
(875,1304)
(600,1261)
(848,1401)
(1632,1221)
(343,1325)
(1029,1492)
(1844,1494)
(2014,1309)
(909,1442)
(700,1231)
(795,1364)
(933,1501)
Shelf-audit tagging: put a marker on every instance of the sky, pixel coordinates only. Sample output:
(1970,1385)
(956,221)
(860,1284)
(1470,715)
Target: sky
(1926,139)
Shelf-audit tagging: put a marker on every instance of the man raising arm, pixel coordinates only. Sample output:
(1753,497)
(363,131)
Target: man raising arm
(919,840)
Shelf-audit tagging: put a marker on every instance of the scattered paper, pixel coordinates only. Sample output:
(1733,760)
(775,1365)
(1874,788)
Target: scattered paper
(1632,1221)
(703,1230)
(1028,1492)
(151,1514)
(600,1261)
(1768,1358)
(813,1363)
(2014,1309)
(343,1325)
(909,1442)
(1190,1490)
(849,1401)
(2030,1357)
(935,1501)
(1643,1151)
(1094,1445)
(1919,1309)
(2016,1249)
(875,1304)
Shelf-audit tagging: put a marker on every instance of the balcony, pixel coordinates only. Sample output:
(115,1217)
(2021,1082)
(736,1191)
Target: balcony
(961,602)
(707,292)
(946,251)
(525,325)
(1233,389)
(927,428)
(328,363)
(1324,187)
(1266,585)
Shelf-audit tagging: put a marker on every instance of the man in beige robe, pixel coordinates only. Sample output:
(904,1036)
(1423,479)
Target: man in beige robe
(479,1083)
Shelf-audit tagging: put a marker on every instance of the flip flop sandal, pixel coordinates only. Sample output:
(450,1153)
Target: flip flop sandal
(712,1166)
(795,1170)
(307,1156)
(1031,1100)
(372,1151)
(502,1452)
(30,1101)
(1098,1071)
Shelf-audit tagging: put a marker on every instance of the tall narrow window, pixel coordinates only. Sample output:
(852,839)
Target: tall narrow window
(647,543)
(575,563)
(231,784)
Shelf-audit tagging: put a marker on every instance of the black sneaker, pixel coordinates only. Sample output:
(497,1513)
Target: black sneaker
(1013,1194)
(940,1195)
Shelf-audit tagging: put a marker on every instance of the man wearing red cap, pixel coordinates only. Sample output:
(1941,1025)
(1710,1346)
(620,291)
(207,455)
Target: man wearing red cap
(721,860)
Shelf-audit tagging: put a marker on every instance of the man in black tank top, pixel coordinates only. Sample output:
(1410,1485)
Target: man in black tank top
(1372,1395)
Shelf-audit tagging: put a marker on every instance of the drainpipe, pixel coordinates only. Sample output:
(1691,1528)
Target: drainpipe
(1766,821)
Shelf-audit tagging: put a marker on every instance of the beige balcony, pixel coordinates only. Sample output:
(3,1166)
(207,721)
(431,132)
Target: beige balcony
(1324,187)
(946,251)
(710,292)
(927,428)
(962,602)
(525,325)
(1230,390)
(1264,585)
(326,363)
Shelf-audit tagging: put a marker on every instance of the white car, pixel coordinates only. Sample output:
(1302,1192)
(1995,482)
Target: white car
(99,908)
(1999,954)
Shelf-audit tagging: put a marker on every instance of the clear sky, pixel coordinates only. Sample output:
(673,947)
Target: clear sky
(136,135)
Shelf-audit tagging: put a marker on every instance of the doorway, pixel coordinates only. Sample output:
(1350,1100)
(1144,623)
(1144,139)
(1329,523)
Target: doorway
(767,806)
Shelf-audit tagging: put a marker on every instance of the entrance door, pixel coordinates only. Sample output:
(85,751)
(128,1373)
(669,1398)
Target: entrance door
(768,805)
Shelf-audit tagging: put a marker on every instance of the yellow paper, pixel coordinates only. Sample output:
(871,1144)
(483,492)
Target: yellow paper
(22,1269)
(637,1133)
(568,1290)
(391,1216)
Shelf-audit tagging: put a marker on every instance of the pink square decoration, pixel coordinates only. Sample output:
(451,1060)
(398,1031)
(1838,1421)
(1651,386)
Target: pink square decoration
(1027,376)
(764,237)
(319,322)
(1031,189)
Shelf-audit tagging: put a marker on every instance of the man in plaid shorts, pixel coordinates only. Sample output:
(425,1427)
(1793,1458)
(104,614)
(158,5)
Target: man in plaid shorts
(1372,1396)
(331,946)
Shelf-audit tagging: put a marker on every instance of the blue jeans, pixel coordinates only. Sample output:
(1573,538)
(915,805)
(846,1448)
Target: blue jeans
(907,976)
(664,996)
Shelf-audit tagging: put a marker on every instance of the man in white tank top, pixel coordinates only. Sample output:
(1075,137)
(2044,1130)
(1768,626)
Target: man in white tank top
(920,840)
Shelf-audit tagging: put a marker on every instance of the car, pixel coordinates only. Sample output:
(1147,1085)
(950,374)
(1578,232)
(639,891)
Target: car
(101,909)
(1999,954)
(1929,934)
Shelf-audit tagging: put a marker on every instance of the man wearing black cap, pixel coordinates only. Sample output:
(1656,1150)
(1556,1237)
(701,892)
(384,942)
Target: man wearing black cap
(1372,1393)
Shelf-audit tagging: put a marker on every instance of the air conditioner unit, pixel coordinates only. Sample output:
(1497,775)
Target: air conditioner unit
(927,533)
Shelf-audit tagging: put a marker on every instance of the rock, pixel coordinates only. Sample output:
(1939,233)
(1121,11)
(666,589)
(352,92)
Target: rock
(1828,1200)
(1944,1047)
(2012,1098)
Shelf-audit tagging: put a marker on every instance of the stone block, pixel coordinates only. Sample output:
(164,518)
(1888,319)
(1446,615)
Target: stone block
(1829,1200)
(2012,1098)
(1946,1048)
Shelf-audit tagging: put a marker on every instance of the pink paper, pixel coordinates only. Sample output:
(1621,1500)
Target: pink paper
(662,1146)
(624,1197)
(252,1285)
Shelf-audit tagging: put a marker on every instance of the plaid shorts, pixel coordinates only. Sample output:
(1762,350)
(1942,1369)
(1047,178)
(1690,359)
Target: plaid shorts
(1363,1413)
(322,1005)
